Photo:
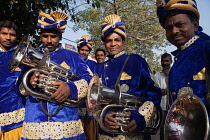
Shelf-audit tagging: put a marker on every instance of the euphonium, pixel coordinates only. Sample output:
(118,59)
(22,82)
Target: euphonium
(101,98)
(187,118)
(50,72)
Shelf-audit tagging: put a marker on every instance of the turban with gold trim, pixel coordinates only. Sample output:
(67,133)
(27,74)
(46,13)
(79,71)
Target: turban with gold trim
(85,41)
(55,20)
(183,6)
(112,24)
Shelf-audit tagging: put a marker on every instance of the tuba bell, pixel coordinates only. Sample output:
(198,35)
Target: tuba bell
(101,98)
(187,118)
(50,72)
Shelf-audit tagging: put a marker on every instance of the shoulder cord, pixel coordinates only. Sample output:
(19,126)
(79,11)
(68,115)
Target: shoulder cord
(46,112)
(116,86)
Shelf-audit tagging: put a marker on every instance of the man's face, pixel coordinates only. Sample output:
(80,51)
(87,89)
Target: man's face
(7,38)
(166,63)
(100,56)
(179,29)
(84,52)
(114,44)
(50,39)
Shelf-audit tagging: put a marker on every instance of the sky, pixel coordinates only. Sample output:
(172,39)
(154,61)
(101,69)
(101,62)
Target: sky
(203,7)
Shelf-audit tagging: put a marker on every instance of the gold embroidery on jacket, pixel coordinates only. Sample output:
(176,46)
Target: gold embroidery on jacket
(82,88)
(63,64)
(53,130)
(17,69)
(125,76)
(12,117)
(200,75)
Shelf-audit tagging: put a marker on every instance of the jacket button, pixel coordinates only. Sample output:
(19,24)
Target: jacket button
(173,93)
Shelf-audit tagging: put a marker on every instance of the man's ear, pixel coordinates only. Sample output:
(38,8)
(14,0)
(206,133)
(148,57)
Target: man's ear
(196,24)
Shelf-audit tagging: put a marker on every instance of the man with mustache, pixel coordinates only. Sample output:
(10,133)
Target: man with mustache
(11,101)
(46,119)
(180,19)
(161,79)
(100,55)
(181,23)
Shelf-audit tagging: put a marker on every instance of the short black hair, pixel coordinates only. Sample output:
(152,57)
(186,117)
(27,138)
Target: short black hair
(100,49)
(165,55)
(8,24)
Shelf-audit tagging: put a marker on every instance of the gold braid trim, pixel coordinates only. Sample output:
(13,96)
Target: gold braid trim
(82,88)
(12,117)
(53,130)
(121,137)
(148,111)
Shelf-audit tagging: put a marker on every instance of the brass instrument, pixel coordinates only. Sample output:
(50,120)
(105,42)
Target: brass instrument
(187,119)
(101,98)
(50,72)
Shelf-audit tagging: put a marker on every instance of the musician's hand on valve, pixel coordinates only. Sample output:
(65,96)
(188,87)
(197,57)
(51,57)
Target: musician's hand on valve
(63,91)
(34,79)
(131,126)
(110,122)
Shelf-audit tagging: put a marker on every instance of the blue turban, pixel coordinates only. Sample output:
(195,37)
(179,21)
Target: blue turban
(55,20)
(112,24)
(183,6)
(85,41)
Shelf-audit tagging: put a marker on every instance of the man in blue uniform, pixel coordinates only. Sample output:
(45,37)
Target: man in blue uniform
(45,119)
(85,45)
(134,79)
(180,19)
(11,101)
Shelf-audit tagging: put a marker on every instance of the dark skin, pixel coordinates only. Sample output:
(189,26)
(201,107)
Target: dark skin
(180,28)
(115,44)
(50,39)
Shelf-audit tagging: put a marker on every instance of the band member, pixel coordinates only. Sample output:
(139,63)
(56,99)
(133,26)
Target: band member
(180,19)
(84,47)
(11,101)
(45,119)
(100,55)
(134,79)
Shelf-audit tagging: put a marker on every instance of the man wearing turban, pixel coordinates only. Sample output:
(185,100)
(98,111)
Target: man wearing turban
(44,119)
(180,19)
(85,45)
(133,79)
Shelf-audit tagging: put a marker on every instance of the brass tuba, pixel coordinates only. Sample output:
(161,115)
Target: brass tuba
(187,118)
(101,98)
(50,71)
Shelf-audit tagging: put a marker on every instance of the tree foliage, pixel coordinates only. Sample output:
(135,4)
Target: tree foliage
(25,12)
(144,34)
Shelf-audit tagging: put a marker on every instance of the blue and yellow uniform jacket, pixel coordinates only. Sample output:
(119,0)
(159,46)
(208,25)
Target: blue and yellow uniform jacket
(11,101)
(189,69)
(66,124)
(136,77)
